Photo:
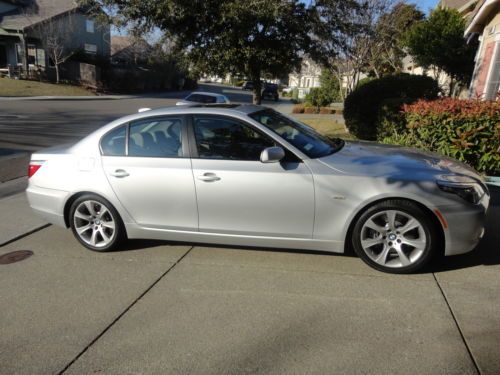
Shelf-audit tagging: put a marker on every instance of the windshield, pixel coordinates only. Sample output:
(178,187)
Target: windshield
(300,135)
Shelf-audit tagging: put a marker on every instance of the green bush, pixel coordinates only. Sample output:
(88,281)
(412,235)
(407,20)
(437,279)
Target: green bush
(468,130)
(318,97)
(364,81)
(362,106)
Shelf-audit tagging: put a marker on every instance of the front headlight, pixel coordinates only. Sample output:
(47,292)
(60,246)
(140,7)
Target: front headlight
(465,187)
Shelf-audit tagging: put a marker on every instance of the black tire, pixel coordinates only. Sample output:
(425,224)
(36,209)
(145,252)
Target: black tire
(407,207)
(119,234)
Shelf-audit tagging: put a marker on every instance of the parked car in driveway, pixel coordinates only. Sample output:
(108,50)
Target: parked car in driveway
(248,175)
(247,85)
(204,98)
(270,91)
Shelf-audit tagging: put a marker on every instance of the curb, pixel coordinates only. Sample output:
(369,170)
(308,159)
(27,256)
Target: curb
(14,155)
(13,166)
(103,97)
(490,180)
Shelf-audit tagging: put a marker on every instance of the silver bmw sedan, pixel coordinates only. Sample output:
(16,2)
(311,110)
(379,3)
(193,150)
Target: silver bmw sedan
(248,175)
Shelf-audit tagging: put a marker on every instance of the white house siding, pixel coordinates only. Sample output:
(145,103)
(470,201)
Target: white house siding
(307,78)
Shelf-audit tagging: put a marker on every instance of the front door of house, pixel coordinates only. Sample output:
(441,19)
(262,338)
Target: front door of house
(3,56)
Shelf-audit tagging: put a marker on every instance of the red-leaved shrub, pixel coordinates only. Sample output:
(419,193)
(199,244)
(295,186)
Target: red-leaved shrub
(468,130)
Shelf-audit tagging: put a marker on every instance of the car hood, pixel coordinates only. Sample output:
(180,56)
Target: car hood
(375,159)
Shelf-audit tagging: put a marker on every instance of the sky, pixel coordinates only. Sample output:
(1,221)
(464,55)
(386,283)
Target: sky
(424,5)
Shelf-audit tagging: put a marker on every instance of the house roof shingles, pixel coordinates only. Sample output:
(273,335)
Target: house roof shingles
(42,10)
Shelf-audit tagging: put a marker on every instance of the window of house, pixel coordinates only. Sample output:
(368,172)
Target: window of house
(90,48)
(228,139)
(31,54)
(89,26)
(40,57)
(493,84)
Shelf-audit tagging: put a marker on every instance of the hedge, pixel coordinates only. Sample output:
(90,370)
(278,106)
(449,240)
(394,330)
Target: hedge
(362,106)
(468,130)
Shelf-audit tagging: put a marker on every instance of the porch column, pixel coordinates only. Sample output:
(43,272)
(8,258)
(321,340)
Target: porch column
(24,54)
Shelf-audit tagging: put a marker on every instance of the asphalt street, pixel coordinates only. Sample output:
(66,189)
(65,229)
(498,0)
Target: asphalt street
(34,124)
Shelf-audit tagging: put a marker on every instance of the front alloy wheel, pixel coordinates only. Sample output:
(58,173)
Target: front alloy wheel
(395,236)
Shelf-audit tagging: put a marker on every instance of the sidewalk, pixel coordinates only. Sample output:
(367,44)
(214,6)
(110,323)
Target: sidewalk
(17,218)
(97,97)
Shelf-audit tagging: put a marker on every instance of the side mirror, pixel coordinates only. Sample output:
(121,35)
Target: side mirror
(272,155)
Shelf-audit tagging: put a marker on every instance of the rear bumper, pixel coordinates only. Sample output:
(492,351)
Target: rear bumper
(48,203)
(465,226)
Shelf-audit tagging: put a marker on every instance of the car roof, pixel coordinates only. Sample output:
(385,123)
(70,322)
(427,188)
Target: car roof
(205,108)
(219,109)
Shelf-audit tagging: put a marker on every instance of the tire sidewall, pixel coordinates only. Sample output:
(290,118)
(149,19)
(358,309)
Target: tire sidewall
(119,227)
(410,209)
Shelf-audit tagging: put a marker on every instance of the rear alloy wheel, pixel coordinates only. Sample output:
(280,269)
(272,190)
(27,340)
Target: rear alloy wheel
(395,236)
(95,223)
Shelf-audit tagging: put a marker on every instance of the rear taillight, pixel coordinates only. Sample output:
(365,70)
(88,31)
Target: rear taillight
(35,165)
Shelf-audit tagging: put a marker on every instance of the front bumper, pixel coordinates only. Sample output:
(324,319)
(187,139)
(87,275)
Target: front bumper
(465,226)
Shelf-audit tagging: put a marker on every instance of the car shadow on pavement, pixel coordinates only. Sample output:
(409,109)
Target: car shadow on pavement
(487,253)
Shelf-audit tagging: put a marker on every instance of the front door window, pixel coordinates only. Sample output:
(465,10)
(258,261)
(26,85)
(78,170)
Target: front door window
(228,139)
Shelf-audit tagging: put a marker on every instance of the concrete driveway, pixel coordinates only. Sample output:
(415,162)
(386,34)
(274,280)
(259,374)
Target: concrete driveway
(164,308)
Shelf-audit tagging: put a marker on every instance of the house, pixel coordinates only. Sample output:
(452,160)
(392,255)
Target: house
(306,78)
(30,28)
(129,50)
(485,23)
(465,8)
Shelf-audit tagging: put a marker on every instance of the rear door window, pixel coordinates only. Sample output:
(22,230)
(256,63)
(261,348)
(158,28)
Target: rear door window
(156,137)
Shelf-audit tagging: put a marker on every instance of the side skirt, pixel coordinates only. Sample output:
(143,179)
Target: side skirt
(136,232)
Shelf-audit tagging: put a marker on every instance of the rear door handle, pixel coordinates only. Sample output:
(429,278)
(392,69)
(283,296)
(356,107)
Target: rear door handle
(120,173)
(209,177)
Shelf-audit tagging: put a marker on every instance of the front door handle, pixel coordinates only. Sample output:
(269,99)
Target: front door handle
(209,177)
(120,173)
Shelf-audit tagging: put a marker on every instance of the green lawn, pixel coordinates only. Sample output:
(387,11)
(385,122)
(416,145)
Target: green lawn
(326,126)
(14,87)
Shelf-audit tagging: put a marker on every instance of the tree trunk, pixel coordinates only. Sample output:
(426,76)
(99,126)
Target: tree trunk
(257,91)
(451,92)
(57,72)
